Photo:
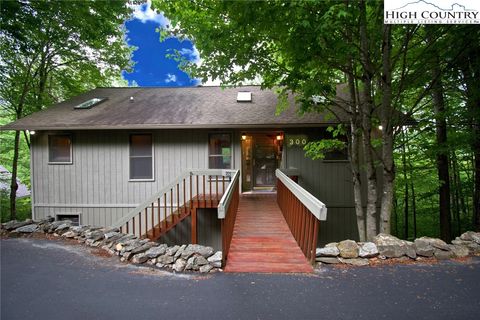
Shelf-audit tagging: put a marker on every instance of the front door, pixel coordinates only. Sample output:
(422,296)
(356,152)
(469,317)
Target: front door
(260,158)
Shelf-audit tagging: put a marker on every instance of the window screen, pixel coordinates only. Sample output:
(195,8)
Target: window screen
(220,151)
(60,148)
(141,157)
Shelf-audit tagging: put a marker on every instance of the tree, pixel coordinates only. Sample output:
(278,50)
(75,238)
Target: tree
(307,48)
(54,50)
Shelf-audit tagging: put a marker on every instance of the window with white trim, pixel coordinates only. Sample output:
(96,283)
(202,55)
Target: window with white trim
(220,151)
(60,149)
(141,156)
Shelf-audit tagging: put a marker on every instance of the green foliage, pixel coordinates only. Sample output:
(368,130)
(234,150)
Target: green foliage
(317,149)
(51,51)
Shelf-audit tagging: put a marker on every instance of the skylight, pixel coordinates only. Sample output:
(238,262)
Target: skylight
(244,96)
(89,103)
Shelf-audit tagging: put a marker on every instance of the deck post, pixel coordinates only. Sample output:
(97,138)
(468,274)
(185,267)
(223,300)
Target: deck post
(194,226)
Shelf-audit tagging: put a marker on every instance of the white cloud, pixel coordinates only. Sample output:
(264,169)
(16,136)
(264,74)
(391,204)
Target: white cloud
(191,54)
(170,78)
(144,13)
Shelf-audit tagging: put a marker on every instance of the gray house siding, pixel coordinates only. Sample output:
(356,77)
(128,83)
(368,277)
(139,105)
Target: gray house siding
(97,183)
(331,182)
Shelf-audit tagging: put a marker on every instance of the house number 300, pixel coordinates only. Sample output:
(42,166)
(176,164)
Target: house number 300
(296,141)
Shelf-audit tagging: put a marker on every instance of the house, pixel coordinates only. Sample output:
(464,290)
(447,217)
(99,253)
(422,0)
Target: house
(5,180)
(98,156)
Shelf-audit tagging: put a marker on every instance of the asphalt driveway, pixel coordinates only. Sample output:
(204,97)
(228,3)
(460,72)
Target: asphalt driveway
(45,279)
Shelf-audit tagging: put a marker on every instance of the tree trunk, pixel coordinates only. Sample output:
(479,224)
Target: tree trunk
(405,178)
(366,114)
(414,210)
(387,132)
(354,157)
(13,182)
(442,154)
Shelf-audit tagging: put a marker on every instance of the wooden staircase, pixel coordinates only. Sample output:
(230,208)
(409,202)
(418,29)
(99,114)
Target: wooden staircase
(180,214)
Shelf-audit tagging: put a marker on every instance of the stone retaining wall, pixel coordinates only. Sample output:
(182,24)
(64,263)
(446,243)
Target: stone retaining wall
(128,247)
(386,246)
(203,259)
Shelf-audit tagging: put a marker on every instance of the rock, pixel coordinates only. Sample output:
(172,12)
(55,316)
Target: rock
(201,250)
(473,247)
(476,237)
(467,236)
(29,228)
(119,247)
(139,258)
(154,252)
(63,227)
(144,247)
(126,256)
(165,259)
(410,250)
(368,250)
(436,243)
(190,263)
(152,262)
(460,242)
(423,247)
(133,244)
(216,264)
(443,255)
(14,224)
(327,252)
(217,257)
(389,246)
(348,249)
(194,262)
(459,251)
(328,260)
(201,261)
(95,235)
(355,262)
(160,265)
(172,250)
(69,234)
(180,251)
(187,253)
(331,244)
(179,265)
(205,268)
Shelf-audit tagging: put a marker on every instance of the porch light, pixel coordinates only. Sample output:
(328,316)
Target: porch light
(31,132)
(279,137)
(380,127)
(244,136)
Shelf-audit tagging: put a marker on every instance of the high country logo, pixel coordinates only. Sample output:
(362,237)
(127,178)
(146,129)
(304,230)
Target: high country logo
(432,12)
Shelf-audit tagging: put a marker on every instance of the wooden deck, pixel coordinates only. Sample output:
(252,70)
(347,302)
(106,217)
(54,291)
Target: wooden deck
(262,241)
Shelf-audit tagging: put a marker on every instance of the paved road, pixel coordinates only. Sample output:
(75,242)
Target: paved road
(42,279)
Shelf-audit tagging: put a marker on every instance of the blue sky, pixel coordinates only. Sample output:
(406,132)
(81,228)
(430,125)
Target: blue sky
(152,67)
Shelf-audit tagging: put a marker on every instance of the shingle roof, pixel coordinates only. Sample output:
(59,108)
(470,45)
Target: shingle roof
(151,108)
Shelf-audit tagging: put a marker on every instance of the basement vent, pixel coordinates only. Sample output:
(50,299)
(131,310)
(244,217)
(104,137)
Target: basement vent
(74,217)
(244,96)
(89,103)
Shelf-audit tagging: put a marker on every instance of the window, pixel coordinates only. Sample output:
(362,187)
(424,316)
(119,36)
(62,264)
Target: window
(220,151)
(141,157)
(60,148)
(90,103)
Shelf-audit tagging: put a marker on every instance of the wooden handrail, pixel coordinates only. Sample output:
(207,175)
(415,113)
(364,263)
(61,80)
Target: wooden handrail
(302,212)
(181,198)
(227,212)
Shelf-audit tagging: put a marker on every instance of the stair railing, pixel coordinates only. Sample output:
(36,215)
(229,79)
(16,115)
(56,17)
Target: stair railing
(302,211)
(227,212)
(196,187)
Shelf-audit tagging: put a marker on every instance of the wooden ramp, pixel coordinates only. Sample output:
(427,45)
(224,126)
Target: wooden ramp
(262,241)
